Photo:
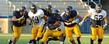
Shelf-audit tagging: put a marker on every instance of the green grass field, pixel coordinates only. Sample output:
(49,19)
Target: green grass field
(25,38)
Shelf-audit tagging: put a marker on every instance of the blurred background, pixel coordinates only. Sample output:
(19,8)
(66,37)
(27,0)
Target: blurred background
(7,7)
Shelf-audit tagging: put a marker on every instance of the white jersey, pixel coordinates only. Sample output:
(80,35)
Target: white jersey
(37,17)
(62,14)
(97,16)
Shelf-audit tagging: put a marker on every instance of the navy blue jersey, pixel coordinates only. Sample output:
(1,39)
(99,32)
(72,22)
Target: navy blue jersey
(22,22)
(72,15)
(52,20)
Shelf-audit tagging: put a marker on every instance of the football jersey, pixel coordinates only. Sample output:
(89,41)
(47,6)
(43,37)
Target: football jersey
(69,18)
(37,17)
(97,18)
(52,20)
(21,22)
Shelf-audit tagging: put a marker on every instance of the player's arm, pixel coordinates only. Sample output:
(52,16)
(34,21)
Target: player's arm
(105,20)
(64,19)
(84,19)
(78,15)
(14,16)
(15,19)
(28,19)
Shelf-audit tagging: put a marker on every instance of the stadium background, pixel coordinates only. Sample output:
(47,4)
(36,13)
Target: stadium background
(6,9)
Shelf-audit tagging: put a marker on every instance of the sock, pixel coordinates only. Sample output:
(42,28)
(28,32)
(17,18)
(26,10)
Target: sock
(32,41)
(46,42)
(91,41)
(10,42)
(99,41)
(62,40)
(73,42)
(78,40)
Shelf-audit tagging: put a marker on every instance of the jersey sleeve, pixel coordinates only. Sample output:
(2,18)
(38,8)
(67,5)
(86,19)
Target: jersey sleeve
(41,13)
(105,13)
(91,11)
(62,14)
(29,14)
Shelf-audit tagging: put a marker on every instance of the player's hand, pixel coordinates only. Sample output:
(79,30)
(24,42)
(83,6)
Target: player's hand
(81,23)
(104,26)
(75,21)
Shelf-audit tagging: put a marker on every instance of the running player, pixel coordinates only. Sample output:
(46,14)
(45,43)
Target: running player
(71,24)
(54,28)
(97,17)
(36,15)
(19,20)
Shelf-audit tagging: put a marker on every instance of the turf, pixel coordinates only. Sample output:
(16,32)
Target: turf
(25,38)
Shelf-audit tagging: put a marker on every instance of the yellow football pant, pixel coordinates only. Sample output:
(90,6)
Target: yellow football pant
(52,33)
(36,32)
(97,31)
(70,30)
(16,32)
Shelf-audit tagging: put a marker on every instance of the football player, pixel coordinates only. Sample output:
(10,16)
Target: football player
(98,23)
(47,13)
(19,20)
(36,15)
(54,28)
(71,24)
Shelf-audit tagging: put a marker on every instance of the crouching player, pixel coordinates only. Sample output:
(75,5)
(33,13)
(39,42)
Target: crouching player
(97,17)
(71,24)
(19,20)
(36,16)
(54,29)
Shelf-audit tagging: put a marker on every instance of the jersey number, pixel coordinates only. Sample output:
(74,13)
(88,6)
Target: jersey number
(98,17)
(35,19)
